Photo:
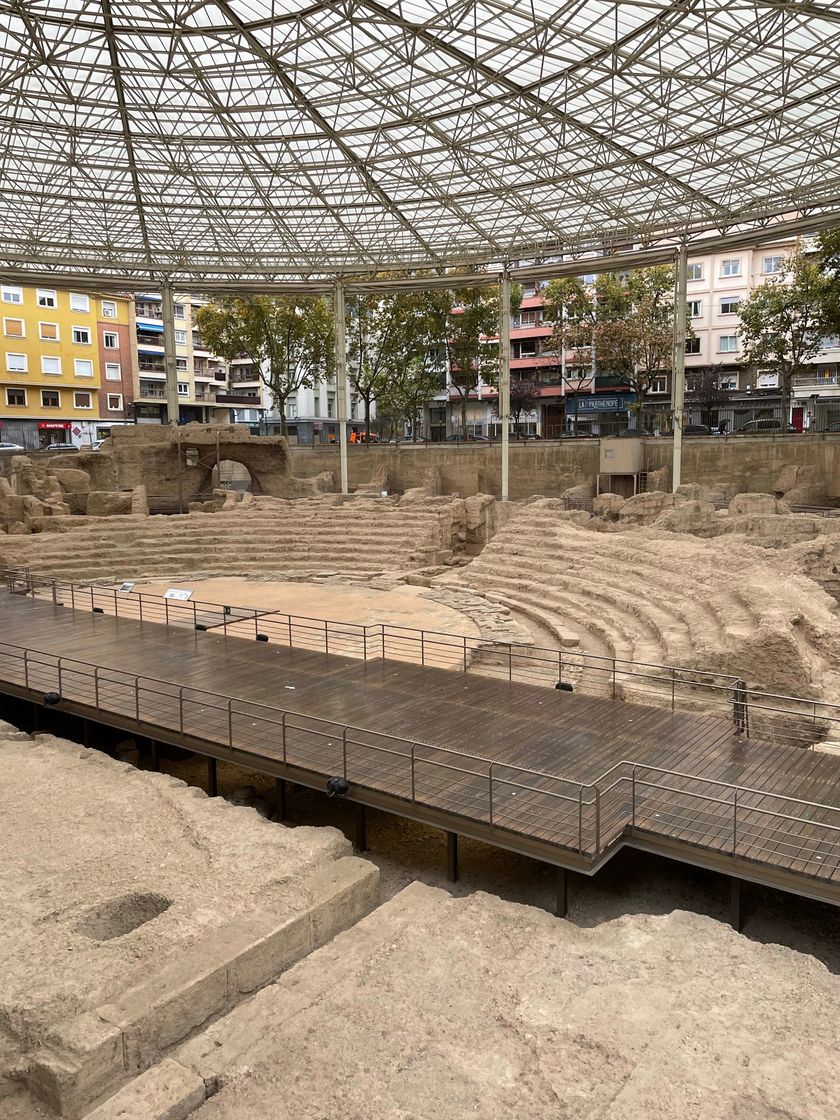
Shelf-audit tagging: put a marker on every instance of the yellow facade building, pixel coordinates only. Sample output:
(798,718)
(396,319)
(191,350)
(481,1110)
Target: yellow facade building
(66,357)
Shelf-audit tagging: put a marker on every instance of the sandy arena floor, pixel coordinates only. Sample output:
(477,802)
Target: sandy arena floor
(367,606)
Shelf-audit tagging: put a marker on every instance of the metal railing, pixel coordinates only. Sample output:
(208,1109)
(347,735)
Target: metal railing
(586,819)
(763,715)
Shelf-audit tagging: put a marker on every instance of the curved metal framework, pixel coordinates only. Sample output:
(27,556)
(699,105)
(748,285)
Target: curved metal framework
(246,141)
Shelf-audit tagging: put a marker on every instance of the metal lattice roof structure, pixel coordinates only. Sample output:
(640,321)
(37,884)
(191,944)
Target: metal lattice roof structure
(253,139)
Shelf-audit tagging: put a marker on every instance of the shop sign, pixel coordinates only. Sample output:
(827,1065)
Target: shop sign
(54,425)
(613,402)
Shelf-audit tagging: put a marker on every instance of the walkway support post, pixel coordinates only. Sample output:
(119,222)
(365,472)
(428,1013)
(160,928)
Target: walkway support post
(504,377)
(561,905)
(170,364)
(678,363)
(341,380)
(452,857)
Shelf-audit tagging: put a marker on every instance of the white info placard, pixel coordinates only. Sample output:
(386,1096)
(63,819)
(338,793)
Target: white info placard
(177,593)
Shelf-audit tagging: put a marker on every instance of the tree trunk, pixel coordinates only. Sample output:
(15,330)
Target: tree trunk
(464,414)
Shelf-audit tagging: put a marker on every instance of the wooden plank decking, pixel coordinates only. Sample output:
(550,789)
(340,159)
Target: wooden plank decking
(561,769)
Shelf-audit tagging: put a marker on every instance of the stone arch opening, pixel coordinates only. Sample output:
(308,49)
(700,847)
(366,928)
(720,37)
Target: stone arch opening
(231,474)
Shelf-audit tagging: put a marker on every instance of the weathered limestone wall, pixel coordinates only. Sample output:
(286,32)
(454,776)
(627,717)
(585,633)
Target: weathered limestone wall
(743,464)
(536,468)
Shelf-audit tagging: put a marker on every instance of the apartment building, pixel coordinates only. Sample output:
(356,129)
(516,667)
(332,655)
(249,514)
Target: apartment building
(67,367)
(312,413)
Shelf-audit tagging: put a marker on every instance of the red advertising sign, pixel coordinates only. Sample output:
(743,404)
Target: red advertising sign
(51,425)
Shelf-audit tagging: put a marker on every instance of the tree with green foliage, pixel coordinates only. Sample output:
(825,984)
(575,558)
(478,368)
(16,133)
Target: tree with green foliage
(472,347)
(289,340)
(393,341)
(524,398)
(627,319)
(828,248)
(785,319)
(703,391)
(405,395)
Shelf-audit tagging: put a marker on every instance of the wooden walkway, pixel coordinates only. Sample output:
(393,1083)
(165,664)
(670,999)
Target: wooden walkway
(561,775)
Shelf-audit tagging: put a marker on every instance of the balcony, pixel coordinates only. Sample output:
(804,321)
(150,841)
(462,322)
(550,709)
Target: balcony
(817,381)
(244,399)
(152,392)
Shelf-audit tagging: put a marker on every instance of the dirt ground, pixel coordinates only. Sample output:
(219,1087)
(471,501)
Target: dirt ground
(108,869)
(445,1008)
(367,606)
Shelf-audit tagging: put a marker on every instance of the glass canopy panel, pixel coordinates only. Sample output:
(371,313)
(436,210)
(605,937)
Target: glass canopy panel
(250,138)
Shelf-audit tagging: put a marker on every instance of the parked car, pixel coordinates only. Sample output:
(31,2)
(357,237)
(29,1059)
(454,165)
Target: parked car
(457,437)
(12,447)
(696,430)
(755,427)
(63,447)
(828,428)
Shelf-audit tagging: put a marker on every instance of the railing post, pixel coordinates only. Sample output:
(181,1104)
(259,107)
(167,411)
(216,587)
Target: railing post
(326,637)
(181,709)
(412,772)
(344,751)
(92,600)
(96,687)
(382,632)
(673,688)
(633,799)
(597,820)
(72,596)
(116,605)
(26,668)
(283,731)
(735,823)
(166,611)
(140,597)
(510,662)
(465,653)
(230,723)
(195,614)
(422,647)
(290,630)
(580,819)
(137,699)
(54,592)
(490,792)
(613,679)
(59,676)
(364,643)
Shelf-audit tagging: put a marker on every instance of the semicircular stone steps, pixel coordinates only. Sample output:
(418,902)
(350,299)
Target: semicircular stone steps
(359,539)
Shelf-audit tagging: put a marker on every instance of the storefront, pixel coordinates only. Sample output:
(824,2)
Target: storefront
(598,414)
(55,431)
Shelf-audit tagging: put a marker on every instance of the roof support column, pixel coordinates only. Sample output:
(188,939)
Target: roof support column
(170,364)
(504,377)
(678,363)
(341,380)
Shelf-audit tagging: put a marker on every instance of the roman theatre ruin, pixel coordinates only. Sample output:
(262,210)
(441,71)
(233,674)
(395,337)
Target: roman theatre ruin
(635,700)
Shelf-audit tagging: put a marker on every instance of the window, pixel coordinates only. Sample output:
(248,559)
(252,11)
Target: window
(181,365)
(731,266)
(83,368)
(113,371)
(659,385)
(16,396)
(17,363)
(50,398)
(729,305)
(81,336)
(291,408)
(183,389)
(729,381)
(82,400)
(330,404)
(79,302)
(354,408)
(179,311)
(692,346)
(181,337)
(695,271)
(115,402)
(110,340)
(695,308)
(48,331)
(767,381)
(829,342)
(11,294)
(50,365)
(109,309)
(529,318)
(14,328)
(772,264)
(728,343)
(46,297)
